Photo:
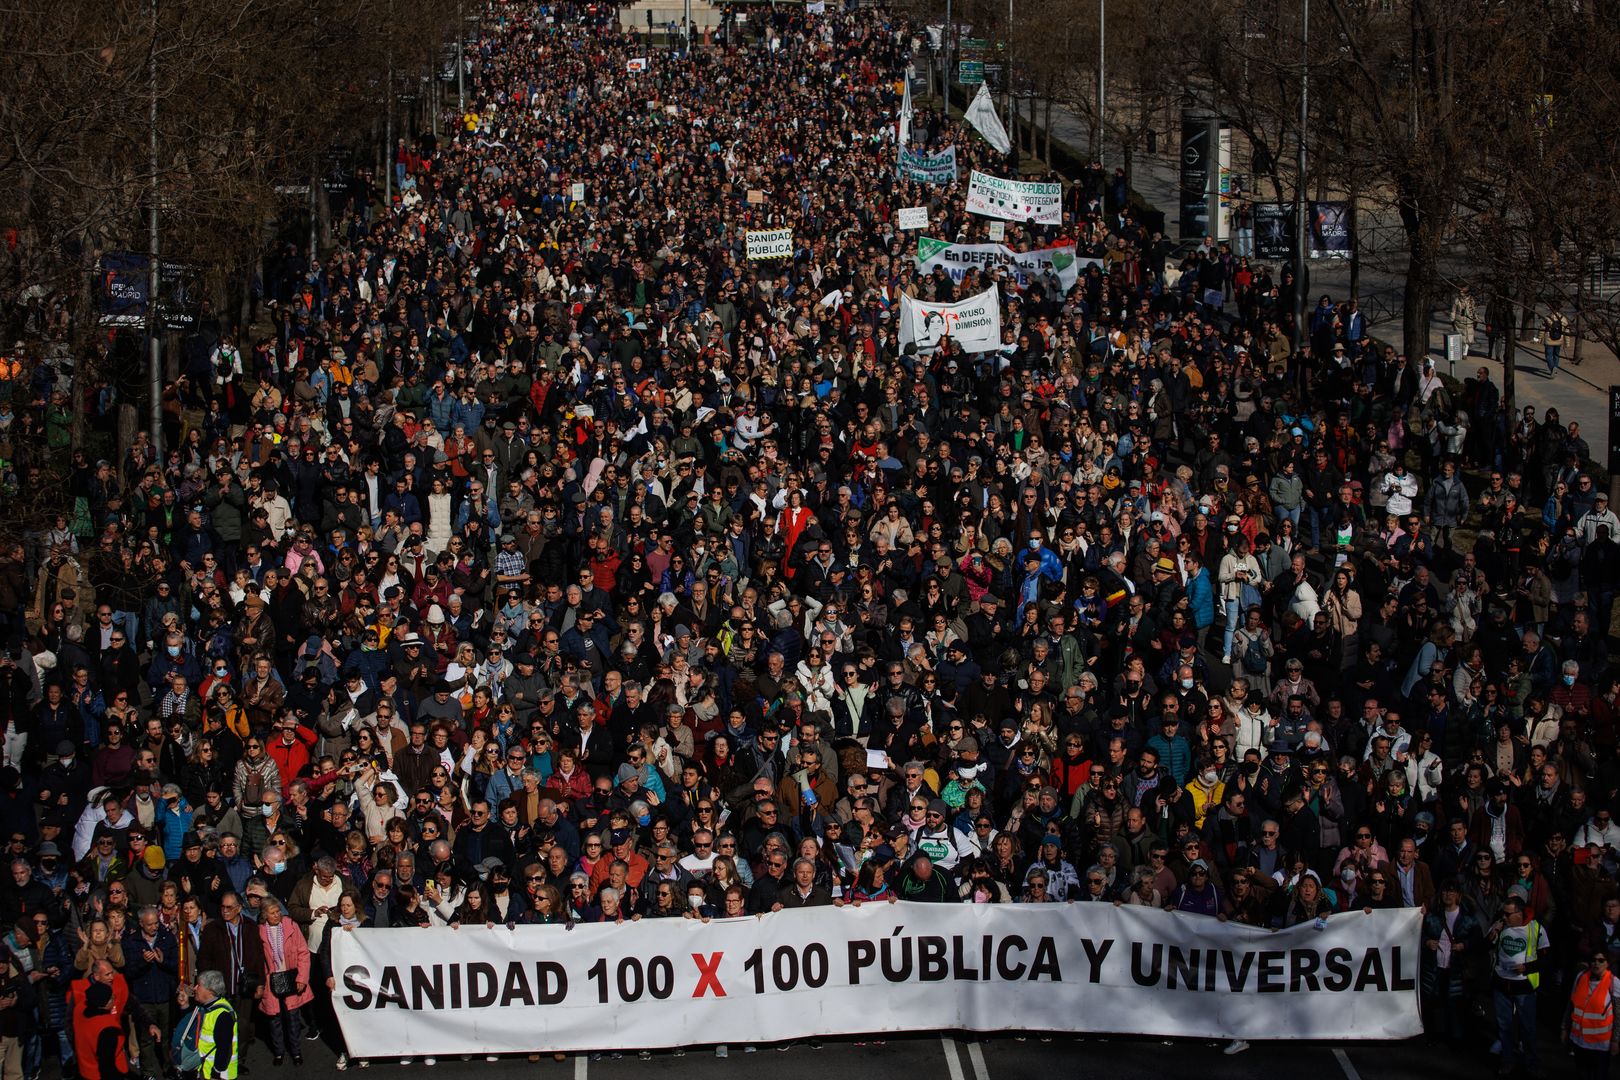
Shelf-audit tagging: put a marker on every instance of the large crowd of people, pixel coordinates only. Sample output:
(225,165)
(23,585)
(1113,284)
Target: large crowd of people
(548,561)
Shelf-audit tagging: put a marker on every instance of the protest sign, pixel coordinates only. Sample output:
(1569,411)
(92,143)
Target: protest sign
(928,168)
(769,243)
(876,968)
(911,217)
(974,324)
(1014,200)
(1023,267)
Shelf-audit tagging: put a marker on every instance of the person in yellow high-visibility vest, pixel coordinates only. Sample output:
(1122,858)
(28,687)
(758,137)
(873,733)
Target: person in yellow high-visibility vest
(1518,945)
(1589,1029)
(216,1036)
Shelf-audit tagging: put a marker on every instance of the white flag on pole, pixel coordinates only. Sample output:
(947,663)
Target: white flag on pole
(982,115)
(905,115)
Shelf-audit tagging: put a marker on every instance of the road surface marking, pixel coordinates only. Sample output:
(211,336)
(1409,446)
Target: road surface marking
(581,1064)
(953,1060)
(1344,1063)
(980,1072)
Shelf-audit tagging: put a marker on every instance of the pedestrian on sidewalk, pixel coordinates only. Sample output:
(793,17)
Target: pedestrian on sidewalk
(1554,329)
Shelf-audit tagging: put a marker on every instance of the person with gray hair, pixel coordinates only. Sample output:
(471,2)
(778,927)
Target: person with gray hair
(287,963)
(217,1028)
(802,891)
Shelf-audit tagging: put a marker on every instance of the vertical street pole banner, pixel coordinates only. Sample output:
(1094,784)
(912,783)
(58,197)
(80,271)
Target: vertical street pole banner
(1330,230)
(1273,232)
(123,288)
(1074,968)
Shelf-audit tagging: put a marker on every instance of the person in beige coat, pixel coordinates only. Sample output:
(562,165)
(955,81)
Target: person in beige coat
(1343,607)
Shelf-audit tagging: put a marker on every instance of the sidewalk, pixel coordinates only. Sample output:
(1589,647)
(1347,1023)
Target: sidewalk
(1577,392)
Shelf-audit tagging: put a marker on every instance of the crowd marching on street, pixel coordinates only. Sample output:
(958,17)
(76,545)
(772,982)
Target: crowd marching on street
(539,558)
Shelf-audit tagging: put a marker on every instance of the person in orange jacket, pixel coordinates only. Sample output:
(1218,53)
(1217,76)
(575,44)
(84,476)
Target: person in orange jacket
(99,1005)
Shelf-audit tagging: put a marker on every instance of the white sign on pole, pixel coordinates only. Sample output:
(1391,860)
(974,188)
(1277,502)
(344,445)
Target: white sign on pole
(974,324)
(998,231)
(911,217)
(577,193)
(874,968)
(1015,200)
(769,243)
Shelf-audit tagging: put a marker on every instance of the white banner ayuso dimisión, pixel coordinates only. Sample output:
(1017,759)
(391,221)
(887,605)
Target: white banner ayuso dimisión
(974,324)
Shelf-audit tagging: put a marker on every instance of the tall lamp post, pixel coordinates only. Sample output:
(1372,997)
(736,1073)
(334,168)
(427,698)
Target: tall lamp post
(1301,216)
(1102,82)
(154,359)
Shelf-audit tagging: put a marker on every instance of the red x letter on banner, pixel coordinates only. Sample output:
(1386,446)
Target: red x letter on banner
(707,979)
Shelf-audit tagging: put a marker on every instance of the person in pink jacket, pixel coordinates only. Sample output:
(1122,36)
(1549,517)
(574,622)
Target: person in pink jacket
(286,977)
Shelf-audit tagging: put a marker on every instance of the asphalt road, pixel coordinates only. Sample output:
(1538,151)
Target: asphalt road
(937,1057)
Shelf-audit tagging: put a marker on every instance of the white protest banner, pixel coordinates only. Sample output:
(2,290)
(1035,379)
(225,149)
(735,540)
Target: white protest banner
(1015,200)
(769,243)
(982,115)
(1023,267)
(816,7)
(928,168)
(911,217)
(876,968)
(635,64)
(974,324)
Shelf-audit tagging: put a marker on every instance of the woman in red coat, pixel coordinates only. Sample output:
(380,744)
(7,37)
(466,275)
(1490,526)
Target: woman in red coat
(794,519)
(286,961)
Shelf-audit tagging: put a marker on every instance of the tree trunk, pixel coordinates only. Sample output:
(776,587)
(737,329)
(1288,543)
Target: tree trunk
(1420,289)
(84,323)
(1510,345)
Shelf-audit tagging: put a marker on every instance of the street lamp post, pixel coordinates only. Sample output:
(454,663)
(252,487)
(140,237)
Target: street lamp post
(1007,70)
(1301,218)
(154,359)
(1102,82)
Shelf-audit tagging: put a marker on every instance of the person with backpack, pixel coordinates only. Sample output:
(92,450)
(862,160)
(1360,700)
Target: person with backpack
(206,1044)
(1554,329)
(1252,650)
